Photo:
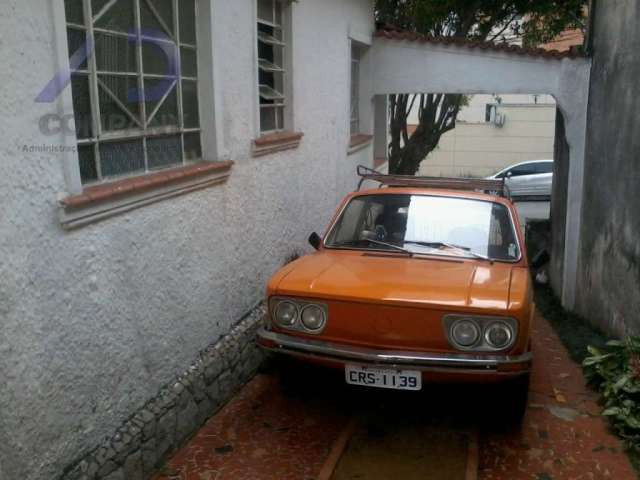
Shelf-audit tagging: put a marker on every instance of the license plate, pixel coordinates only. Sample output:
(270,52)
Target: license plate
(383,378)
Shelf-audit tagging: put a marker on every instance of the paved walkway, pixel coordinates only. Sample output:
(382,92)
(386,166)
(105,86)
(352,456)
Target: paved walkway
(269,431)
(563,436)
(281,429)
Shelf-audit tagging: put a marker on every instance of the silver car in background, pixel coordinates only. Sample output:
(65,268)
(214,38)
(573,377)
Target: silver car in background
(528,179)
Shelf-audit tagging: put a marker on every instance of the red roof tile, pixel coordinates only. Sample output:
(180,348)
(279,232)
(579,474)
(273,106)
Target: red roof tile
(392,33)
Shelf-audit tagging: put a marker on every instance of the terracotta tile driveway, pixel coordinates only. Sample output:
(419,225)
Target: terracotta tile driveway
(563,436)
(280,428)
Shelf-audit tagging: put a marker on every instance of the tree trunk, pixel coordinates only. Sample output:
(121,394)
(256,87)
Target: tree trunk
(436,114)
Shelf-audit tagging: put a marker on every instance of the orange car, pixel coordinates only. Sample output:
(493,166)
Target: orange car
(426,279)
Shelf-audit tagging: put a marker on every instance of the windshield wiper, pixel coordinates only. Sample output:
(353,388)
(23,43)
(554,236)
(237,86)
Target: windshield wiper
(451,245)
(376,242)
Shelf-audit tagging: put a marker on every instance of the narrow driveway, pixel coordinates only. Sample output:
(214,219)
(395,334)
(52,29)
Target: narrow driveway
(289,422)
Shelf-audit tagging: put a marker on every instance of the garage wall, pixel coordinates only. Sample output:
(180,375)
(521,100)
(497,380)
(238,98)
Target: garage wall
(559,194)
(608,289)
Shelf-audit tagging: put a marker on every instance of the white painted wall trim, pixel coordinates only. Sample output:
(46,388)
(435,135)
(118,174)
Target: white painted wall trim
(64,104)
(365,38)
(210,84)
(75,218)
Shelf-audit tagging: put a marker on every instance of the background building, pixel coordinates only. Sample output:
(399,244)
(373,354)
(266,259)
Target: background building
(493,132)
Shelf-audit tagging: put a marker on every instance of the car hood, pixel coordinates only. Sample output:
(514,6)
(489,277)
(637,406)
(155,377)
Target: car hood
(396,279)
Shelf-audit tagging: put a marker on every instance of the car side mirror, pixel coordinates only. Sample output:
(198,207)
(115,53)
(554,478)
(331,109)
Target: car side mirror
(315,240)
(509,174)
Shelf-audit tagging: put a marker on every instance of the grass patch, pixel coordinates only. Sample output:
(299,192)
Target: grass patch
(574,331)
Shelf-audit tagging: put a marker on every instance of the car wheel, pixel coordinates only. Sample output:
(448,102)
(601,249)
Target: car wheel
(515,396)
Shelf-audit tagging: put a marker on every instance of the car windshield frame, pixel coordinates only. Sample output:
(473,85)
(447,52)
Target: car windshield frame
(460,254)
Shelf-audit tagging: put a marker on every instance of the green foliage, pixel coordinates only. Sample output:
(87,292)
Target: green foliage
(615,371)
(535,21)
(538,21)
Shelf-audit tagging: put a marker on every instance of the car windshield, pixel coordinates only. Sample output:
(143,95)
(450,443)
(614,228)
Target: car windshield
(426,225)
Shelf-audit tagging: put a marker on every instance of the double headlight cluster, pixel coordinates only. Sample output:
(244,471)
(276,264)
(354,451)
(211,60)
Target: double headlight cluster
(480,333)
(296,314)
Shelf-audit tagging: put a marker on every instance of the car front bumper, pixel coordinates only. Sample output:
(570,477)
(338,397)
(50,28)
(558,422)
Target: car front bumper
(335,353)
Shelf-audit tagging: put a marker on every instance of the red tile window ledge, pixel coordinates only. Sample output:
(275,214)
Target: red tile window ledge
(276,142)
(358,142)
(106,199)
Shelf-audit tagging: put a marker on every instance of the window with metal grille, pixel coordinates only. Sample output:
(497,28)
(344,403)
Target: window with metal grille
(271,65)
(355,89)
(135,96)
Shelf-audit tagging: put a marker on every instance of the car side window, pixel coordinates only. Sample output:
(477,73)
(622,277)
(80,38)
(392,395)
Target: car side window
(524,169)
(544,167)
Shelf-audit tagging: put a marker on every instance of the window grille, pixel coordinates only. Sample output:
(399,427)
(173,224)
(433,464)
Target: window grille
(135,96)
(271,60)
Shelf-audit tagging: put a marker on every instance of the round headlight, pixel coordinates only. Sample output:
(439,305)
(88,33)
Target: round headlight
(313,317)
(286,314)
(498,335)
(465,333)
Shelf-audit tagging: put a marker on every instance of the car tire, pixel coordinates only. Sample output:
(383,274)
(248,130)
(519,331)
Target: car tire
(515,395)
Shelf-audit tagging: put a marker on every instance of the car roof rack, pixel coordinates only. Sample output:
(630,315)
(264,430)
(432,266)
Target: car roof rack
(498,186)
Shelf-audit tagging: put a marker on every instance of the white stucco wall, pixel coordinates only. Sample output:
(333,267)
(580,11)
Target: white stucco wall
(94,321)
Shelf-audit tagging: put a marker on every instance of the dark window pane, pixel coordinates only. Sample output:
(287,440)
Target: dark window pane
(267,78)
(187,21)
(119,158)
(164,151)
(159,58)
(74,11)
(544,167)
(119,17)
(189,59)
(190,108)
(266,51)
(192,146)
(151,26)
(87,159)
(525,169)
(167,114)
(269,34)
(77,40)
(265,10)
(112,115)
(267,119)
(81,105)
(115,54)
(165,10)
(97,6)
